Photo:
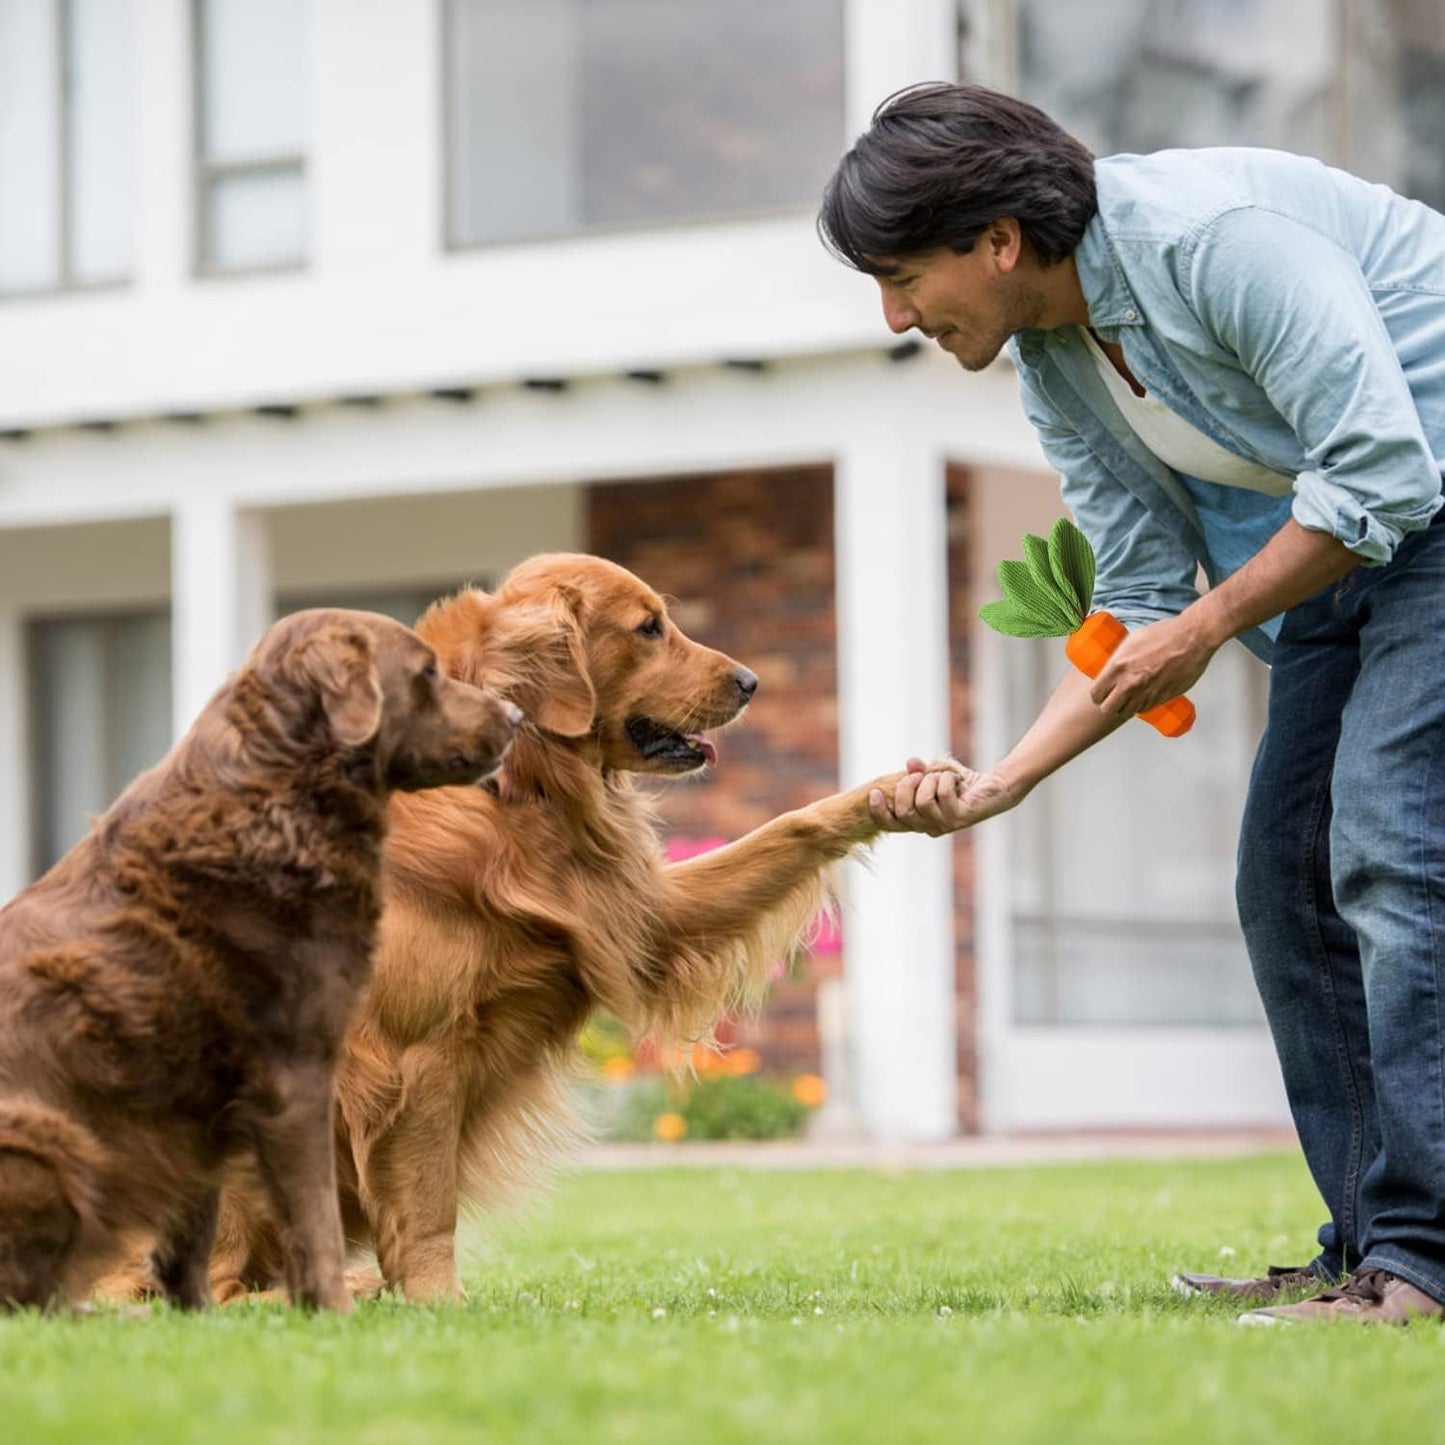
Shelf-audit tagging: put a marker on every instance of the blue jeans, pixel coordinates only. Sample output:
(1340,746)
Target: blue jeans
(1341,895)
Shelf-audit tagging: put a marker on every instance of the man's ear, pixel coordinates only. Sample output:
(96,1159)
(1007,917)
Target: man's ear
(340,664)
(535,657)
(1005,240)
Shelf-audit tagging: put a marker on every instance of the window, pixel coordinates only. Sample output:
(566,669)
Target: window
(100,702)
(565,115)
(65,115)
(1121,869)
(251,124)
(1359,83)
(404,604)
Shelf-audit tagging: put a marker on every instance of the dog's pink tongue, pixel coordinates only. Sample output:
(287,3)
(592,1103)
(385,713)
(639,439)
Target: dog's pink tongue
(704,746)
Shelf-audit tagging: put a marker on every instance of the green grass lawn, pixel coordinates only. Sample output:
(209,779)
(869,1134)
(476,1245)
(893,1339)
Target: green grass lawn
(720,1305)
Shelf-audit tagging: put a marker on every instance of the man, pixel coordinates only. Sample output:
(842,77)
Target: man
(1236,361)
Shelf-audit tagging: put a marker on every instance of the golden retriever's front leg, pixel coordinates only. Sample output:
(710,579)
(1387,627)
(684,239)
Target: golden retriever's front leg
(408,1182)
(724,894)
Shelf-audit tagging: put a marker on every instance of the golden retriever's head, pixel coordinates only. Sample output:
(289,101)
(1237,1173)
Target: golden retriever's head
(360,681)
(587,650)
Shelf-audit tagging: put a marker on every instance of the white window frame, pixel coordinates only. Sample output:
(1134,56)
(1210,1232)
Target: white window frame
(66,278)
(208,173)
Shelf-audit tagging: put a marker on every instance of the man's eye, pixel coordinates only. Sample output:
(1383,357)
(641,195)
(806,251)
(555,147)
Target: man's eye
(651,628)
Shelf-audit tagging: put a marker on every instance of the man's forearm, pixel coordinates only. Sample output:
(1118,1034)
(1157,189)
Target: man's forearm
(1294,564)
(1068,725)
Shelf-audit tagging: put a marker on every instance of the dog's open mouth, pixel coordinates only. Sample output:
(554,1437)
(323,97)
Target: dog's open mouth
(659,744)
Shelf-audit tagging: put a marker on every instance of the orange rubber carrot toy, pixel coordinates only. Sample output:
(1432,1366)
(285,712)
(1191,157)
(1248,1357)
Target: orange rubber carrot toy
(1048,595)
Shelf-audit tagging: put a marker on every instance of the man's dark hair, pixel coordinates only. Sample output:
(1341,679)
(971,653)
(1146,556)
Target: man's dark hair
(940,163)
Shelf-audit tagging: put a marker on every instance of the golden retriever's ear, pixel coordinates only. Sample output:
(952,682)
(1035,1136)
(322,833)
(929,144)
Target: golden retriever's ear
(535,657)
(340,663)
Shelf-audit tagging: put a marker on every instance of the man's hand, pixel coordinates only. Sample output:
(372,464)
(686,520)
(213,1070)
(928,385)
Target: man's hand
(1152,665)
(938,798)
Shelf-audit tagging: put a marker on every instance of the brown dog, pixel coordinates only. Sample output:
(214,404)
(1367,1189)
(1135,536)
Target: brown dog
(511,917)
(175,991)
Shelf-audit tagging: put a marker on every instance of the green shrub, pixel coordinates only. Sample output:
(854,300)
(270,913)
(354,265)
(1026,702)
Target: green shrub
(729,1107)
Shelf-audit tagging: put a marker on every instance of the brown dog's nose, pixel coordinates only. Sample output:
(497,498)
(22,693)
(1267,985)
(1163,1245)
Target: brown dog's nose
(746,683)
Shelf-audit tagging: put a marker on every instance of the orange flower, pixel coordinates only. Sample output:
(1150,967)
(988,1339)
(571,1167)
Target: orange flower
(669,1128)
(619,1069)
(708,1062)
(743,1061)
(809,1089)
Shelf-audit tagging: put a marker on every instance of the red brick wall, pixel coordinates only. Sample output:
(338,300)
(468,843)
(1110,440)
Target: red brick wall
(748,558)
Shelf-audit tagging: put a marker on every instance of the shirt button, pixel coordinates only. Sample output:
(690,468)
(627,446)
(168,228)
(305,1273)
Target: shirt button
(1131,315)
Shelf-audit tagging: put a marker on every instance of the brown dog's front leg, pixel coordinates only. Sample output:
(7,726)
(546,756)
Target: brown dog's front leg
(181,1260)
(297,1159)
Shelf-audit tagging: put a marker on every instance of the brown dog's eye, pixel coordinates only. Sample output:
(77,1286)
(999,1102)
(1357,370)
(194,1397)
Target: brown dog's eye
(651,628)
(430,671)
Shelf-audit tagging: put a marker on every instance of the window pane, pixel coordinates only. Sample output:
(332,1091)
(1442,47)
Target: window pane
(256,220)
(405,604)
(567,114)
(100,177)
(139,697)
(1397,111)
(101,710)
(1122,868)
(69,733)
(29,146)
(253,79)
(1142,75)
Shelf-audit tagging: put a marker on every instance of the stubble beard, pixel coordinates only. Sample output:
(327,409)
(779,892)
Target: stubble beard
(1022,310)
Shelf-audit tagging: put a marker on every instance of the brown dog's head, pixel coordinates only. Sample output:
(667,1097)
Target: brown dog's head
(360,681)
(588,651)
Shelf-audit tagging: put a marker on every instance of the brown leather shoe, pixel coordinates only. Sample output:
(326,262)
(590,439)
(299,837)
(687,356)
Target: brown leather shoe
(1280,1280)
(1370,1296)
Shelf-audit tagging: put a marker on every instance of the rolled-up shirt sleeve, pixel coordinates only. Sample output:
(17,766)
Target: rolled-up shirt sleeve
(1143,574)
(1296,310)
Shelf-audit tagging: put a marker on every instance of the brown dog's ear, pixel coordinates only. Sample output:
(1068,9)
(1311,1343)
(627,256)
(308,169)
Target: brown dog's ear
(340,663)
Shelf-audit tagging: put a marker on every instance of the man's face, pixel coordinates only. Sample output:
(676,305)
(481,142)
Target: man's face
(970,303)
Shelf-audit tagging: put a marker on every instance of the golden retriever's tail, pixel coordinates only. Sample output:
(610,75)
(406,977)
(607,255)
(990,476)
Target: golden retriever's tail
(48,1180)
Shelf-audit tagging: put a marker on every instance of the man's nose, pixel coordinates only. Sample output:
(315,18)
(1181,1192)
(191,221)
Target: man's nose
(898,313)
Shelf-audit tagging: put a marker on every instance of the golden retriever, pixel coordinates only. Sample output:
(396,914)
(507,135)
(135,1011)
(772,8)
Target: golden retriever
(175,991)
(512,915)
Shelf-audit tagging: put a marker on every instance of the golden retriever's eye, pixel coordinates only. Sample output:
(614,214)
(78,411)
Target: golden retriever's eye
(651,628)
(430,671)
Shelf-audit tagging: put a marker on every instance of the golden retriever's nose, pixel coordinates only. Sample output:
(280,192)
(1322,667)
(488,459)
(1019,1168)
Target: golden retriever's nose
(746,683)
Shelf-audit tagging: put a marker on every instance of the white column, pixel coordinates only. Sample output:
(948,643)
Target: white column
(892,564)
(14,762)
(220,597)
(888,46)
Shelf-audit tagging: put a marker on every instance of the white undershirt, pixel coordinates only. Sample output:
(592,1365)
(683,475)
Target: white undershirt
(1180,446)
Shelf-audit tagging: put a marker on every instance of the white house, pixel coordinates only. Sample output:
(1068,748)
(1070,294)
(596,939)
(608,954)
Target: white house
(360,299)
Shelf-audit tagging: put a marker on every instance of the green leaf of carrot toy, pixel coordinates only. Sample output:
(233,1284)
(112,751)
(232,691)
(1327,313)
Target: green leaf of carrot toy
(1037,559)
(1025,591)
(1004,616)
(1071,560)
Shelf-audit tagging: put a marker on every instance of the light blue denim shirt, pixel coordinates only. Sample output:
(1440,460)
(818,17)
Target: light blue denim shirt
(1293,313)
